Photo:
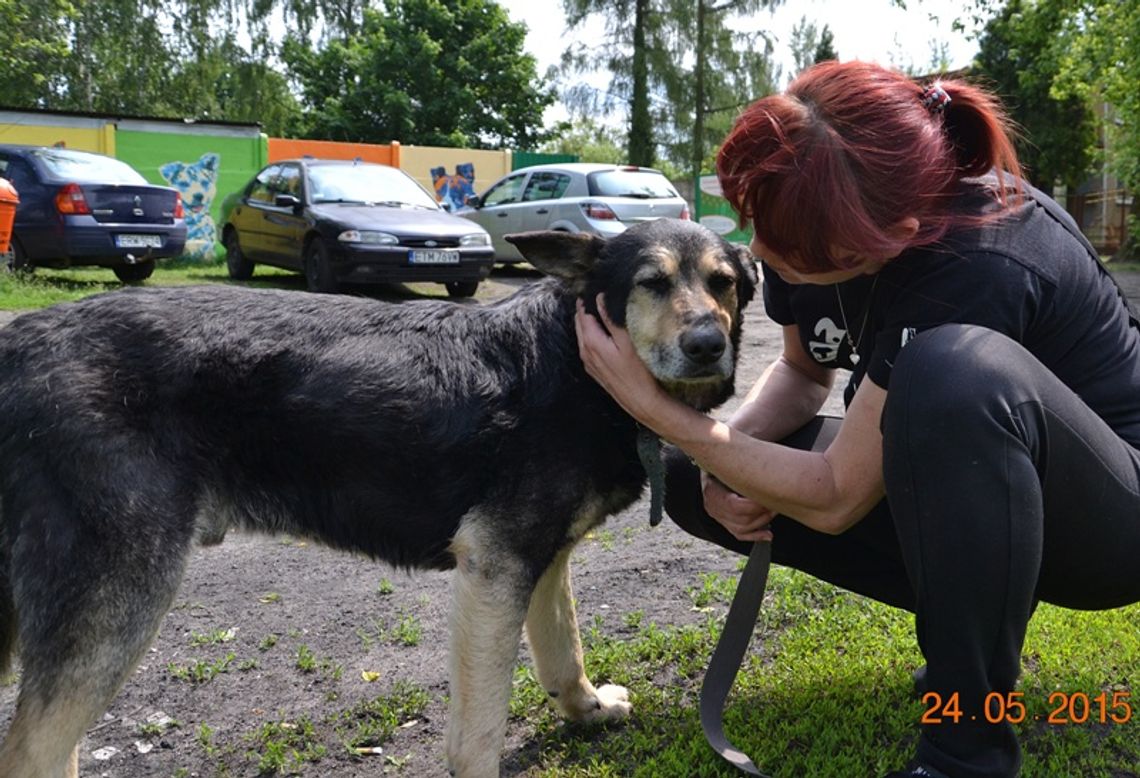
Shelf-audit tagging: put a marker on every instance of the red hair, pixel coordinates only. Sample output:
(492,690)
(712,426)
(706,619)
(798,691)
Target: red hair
(848,151)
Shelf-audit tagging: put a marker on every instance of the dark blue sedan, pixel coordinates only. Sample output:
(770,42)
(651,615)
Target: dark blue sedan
(348,222)
(79,208)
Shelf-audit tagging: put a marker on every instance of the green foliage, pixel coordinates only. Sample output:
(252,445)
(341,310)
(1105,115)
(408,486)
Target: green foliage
(440,72)
(677,65)
(35,49)
(429,72)
(1022,53)
(825,690)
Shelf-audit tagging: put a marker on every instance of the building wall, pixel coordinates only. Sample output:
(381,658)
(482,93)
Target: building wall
(204,162)
(454,173)
(74,132)
(288,148)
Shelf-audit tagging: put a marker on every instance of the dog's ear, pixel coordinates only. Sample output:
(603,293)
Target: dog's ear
(750,276)
(566,255)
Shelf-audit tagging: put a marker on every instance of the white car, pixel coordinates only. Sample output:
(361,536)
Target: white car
(575,197)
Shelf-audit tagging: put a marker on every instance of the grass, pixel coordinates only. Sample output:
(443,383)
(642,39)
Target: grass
(827,691)
(47,286)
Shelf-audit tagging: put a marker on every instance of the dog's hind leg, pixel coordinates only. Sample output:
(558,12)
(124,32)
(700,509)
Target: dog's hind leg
(489,597)
(91,591)
(552,629)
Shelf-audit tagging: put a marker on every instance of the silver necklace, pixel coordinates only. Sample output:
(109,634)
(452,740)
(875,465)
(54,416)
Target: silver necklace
(854,343)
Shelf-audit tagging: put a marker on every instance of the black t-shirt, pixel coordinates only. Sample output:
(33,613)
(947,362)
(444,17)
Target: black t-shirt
(1028,276)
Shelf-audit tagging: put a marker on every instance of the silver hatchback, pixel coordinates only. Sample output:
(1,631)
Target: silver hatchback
(575,197)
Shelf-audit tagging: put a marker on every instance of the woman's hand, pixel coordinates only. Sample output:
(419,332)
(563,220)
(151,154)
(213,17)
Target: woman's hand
(745,519)
(612,361)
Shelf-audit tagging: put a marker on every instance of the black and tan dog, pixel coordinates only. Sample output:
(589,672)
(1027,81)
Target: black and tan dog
(426,435)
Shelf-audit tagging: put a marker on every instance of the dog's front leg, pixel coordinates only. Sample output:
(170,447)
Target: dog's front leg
(489,598)
(552,628)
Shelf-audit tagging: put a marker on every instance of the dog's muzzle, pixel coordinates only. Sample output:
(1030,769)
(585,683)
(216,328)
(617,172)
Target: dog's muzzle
(703,345)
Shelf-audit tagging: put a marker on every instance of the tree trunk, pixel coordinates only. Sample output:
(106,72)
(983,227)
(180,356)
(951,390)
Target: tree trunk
(640,125)
(699,98)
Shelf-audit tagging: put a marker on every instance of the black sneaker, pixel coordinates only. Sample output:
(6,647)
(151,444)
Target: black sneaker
(916,770)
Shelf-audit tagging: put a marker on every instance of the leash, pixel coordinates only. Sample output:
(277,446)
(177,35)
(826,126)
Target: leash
(729,652)
(649,452)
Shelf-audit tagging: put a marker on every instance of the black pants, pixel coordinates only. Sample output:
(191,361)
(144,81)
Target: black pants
(1003,488)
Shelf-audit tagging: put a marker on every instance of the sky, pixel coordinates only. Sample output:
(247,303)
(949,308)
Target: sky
(875,30)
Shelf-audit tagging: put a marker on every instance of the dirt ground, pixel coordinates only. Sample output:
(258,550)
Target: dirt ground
(345,616)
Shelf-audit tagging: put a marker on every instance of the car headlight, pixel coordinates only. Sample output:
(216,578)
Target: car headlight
(475,239)
(364,236)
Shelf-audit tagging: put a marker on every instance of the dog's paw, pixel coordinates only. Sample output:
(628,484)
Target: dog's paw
(612,704)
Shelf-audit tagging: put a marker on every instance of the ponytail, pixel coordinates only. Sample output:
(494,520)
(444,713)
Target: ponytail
(979,131)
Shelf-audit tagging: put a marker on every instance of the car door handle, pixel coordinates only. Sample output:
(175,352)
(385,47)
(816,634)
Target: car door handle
(502,214)
(543,210)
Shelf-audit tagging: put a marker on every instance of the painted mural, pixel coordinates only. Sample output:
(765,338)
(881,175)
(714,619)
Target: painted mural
(198,184)
(454,189)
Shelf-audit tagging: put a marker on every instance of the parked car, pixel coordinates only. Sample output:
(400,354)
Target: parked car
(575,197)
(343,222)
(80,208)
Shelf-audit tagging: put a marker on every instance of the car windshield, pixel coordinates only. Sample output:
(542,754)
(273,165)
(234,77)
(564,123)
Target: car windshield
(372,184)
(630,183)
(77,166)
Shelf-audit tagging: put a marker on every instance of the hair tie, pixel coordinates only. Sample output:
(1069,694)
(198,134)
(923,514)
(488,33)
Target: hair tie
(935,99)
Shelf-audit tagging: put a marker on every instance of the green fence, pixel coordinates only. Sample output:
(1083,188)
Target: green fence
(528,158)
(714,212)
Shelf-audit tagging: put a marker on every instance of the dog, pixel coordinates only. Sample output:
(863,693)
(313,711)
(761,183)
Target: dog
(197,183)
(426,434)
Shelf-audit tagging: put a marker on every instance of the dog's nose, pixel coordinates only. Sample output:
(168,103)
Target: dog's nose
(703,344)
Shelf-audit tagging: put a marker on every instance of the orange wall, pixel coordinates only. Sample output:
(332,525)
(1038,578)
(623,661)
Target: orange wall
(285,148)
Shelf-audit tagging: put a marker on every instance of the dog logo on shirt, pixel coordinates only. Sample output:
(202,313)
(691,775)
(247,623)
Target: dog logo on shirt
(829,336)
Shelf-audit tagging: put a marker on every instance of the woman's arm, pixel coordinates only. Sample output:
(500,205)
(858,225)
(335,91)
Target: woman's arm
(787,396)
(827,491)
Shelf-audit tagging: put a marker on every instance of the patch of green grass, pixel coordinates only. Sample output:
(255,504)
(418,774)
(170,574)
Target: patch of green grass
(200,670)
(306,659)
(385,587)
(285,746)
(213,637)
(372,722)
(826,690)
(47,286)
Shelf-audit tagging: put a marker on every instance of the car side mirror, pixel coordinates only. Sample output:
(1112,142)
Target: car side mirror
(286,201)
(471,201)
(445,205)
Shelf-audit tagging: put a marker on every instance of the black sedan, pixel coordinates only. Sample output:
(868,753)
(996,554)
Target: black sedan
(344,222)
(79,208)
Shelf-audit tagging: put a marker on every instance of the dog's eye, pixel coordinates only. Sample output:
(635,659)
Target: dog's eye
(656,284)
(721,282)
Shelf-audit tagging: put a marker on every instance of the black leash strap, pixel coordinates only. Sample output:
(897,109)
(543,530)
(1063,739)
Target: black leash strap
(726,659)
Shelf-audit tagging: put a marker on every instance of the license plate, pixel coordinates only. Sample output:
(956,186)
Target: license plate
(138,241)
(433,257)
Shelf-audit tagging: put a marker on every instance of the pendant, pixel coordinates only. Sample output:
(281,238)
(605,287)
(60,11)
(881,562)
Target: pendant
(854,358)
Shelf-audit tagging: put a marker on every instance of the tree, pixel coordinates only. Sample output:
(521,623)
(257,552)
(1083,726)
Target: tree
(825,51)
(430,72)
(1021,53)
(1104,63)
(35,50)
(590,140)
(678,65)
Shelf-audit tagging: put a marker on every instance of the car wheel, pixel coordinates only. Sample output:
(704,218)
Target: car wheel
(133,273)
(15,260)
(319,276)
(240,268)
(462,288)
